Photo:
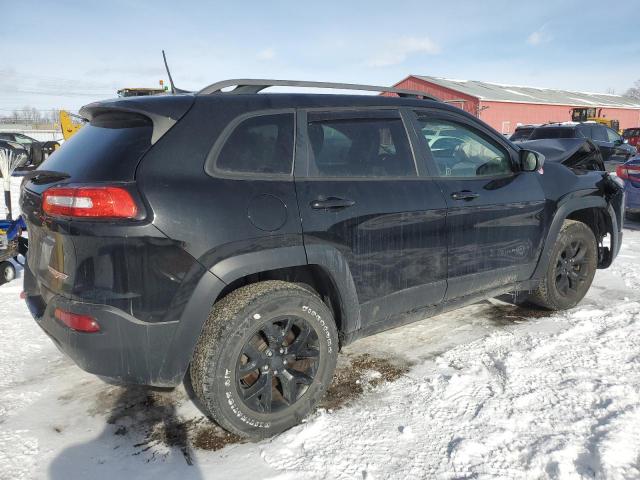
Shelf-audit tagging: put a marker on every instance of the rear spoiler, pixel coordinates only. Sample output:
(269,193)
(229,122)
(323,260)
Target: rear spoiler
(163,111)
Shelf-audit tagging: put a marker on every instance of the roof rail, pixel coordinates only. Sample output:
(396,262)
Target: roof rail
(257,85)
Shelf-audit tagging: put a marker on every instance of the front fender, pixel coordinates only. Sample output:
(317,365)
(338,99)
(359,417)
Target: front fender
(573,202)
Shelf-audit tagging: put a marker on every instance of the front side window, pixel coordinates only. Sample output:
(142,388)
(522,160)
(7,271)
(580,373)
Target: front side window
(460,151)
(359,147)
(613,136)
(262,144)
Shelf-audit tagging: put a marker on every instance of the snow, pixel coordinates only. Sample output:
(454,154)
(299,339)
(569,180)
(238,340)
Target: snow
(493,392)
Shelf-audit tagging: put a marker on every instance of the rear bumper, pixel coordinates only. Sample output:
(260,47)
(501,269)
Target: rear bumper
(124,349)
(127,350)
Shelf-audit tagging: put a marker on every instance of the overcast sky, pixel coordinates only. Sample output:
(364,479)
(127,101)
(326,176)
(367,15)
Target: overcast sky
(64,54)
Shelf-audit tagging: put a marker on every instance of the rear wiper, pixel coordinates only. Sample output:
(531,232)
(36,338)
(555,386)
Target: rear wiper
(41,177)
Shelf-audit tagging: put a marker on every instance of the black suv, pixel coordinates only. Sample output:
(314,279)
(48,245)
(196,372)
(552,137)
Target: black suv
(611,144)
(237,240)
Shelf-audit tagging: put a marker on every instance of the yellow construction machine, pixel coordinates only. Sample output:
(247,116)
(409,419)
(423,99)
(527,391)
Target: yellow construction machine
(593,114)
(68,125)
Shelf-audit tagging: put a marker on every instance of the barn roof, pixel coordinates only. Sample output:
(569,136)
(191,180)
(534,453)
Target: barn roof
(510,93)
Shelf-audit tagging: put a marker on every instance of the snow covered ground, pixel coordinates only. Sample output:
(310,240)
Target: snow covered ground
(489,391)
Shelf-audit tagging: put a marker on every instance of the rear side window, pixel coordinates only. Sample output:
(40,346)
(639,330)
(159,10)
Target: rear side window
(359,147)
(600,133)
(107,149)
(261,144)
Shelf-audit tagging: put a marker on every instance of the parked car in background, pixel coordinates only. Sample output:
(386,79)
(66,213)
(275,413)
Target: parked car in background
(37,151)
(522,132)
(630,173)
(611,144)
(17,149)
(632,136)
(237,240)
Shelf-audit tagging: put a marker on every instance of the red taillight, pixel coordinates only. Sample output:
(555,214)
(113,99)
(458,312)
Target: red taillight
(624,171)
(79,323)
(89,202)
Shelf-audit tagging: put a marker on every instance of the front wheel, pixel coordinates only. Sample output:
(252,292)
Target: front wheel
(265,358)
(571,268)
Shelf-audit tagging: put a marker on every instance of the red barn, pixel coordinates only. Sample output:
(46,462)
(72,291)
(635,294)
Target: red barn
(505,106)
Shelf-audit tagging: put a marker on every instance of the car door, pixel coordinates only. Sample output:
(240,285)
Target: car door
(363,197)
(496,212)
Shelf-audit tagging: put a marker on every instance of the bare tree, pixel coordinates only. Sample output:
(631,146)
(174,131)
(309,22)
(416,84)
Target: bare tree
(634,92)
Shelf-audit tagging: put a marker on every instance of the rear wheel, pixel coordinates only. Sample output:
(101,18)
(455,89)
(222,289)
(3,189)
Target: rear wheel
(265,358)
(7,272)
(571,268)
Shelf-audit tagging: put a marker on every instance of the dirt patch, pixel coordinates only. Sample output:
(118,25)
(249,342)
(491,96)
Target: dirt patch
(363,371)
(212,437)
(507,314)
(147,418)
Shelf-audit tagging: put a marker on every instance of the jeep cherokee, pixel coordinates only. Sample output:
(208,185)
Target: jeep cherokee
(237,240)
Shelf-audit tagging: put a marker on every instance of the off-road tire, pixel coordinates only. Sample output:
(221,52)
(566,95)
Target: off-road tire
(232,323)
(7,272)
(548,294)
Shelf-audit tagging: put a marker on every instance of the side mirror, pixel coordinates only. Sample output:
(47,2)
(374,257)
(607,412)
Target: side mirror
(531,161)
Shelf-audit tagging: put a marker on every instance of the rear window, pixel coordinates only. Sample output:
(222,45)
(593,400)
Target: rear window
(552,132)
(107,149)
(631,132)
(521,134)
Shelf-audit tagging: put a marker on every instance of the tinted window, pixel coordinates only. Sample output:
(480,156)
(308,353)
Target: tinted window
(6,136)
(584,130)
(552,132)
(521,134)
(106,149)
(359,147)
(24,139)
(460,151)
(628,133)
(613,136)
(260,144)
(599,133)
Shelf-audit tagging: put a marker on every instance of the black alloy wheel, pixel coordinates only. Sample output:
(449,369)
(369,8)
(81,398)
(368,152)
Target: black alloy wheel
(277,364)
(571,269)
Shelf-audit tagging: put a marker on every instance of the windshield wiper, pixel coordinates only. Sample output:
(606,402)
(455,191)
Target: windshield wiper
(41,177)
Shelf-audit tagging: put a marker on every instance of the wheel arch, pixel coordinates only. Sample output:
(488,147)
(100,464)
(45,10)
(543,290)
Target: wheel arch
(326,272)
(321,268)
(596,213)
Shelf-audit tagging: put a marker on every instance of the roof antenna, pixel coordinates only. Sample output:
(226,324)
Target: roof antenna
(173,87)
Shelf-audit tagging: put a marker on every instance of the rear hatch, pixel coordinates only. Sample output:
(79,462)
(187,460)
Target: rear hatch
(64,256)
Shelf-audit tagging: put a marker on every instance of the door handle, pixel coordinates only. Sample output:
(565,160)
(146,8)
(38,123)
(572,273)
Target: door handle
(464,195)
(331,203)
